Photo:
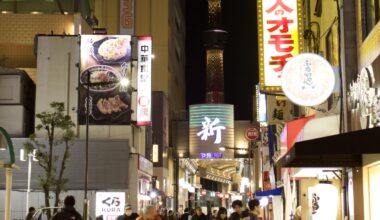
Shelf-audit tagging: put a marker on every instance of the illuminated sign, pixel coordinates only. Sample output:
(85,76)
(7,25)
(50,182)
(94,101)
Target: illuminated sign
(211,126)
(308,80)
(105,61)
(261,105)
(144,82)
(210,155)
(279,25)
(155,153)
(110,204)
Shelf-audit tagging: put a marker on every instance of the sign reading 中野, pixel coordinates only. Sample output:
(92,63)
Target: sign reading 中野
(308,80)
(211,126)
(252,134)
(144,90)
(127,19)
(279,25)
(110,204)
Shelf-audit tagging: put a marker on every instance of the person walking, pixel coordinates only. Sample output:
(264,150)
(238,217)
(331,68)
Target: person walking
(254,207)
(171,215)
(68,211)
(237,205)
(222,214)
(164,214)
(199,214)
(30,214)
(185,215)
(128,214)
(149,213)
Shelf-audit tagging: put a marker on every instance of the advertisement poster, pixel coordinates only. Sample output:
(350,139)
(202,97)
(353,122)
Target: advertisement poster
(110,204)
(144,80)
(323,202)
(105,61)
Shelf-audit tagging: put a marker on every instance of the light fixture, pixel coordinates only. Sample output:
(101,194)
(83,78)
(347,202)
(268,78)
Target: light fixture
(65,13)
(22,155)
(152,194)
(3,145)
(124,82)
(241,151)
(264,201)
(180,155)
(222,148)
(152,56)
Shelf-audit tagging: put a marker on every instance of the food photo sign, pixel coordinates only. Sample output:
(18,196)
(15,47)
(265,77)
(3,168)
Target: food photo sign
(105,60)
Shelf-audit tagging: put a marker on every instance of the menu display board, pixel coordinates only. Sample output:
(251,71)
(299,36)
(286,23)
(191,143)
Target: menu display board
(105,61)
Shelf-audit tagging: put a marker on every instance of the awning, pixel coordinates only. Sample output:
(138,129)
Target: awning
(342,150)
(272,192)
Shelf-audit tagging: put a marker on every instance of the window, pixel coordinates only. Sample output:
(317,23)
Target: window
(370,15)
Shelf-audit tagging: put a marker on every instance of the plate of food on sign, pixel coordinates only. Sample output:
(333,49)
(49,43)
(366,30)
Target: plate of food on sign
(107,102)
(112,50)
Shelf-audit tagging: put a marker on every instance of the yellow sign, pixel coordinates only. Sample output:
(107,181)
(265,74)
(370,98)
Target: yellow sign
(280,25)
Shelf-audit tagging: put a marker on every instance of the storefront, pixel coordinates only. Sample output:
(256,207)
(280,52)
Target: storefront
(140,191)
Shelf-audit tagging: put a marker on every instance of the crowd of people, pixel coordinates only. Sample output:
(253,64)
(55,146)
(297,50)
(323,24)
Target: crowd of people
(240,212)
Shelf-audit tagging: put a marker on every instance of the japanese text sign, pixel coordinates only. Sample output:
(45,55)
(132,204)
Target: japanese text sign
(144,90)
(279,39)
(110,204)
(211,126)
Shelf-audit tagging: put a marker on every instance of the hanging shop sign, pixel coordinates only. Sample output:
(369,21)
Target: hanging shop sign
(279,27)
(252,134)
(308,80)
(110,204)
(364,100)
(279,109)
(105,61)
(261,105)
(211,127)
(127,19)
(144,80)
(210,155)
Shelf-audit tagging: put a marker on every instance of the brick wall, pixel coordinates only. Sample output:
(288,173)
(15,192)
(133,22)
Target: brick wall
(17,35)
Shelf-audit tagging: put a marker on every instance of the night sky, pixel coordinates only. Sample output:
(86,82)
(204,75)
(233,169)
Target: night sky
(240,54)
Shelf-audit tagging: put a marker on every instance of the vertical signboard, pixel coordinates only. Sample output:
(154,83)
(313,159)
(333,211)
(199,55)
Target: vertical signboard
(127,17)
(110,204)
(105,61)
(144,90)
(211,127)
(279,39)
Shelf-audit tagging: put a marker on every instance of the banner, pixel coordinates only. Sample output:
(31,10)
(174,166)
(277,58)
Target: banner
(144,78)
(105,60)
(280,39)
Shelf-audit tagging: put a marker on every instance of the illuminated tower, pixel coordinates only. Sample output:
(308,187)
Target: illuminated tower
(214,39)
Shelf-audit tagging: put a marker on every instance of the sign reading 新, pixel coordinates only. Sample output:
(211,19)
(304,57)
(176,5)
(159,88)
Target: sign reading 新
(110,204)
(211,126)
(279,39)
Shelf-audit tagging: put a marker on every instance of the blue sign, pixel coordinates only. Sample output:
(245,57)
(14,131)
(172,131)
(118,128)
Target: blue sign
(210,155)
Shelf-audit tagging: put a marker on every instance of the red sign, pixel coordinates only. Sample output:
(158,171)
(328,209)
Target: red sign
(252,134)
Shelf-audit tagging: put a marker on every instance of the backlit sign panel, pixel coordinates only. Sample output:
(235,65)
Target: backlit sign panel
(144,80)
(279,39)
(211,127)
(110,204)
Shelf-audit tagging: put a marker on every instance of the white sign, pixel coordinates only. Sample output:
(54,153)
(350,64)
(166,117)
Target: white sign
(279,39)
(155,153)
(308,80)
(127,19)
(110,204)
(144,90)
(208,130)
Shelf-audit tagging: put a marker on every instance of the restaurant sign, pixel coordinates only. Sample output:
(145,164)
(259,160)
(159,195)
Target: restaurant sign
(211,127)
(279,27)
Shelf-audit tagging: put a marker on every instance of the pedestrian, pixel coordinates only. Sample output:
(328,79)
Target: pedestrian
(100,217)
(128,214)
(221,214)
(254,207)
(214,213)
(68,211)
(164,214)
(185,215)
(171,215)
(30,214)
(149,213)
(237,205)
(199,214)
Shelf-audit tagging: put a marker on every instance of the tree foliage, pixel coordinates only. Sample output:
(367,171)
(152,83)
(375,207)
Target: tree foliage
(58,128)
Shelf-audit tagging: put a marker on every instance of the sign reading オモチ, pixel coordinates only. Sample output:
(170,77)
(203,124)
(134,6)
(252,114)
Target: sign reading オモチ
(279,27)
(211,126)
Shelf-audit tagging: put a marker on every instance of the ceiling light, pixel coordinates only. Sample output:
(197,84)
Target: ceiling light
(124,82)
(222,148)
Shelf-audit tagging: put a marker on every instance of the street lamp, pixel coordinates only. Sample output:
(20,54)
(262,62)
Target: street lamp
(123,83)
(31,156)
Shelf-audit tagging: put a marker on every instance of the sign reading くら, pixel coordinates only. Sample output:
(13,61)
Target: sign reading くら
(110,204)
(211,126)
(279,25)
